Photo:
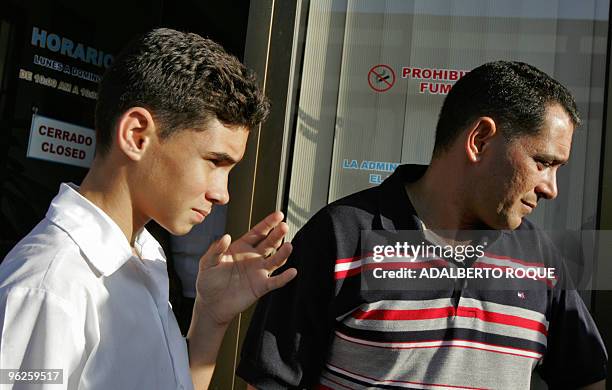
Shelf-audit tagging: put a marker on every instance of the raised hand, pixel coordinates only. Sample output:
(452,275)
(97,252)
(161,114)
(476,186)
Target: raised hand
(232,276)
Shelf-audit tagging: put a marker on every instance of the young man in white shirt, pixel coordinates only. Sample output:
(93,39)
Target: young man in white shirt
(86,292)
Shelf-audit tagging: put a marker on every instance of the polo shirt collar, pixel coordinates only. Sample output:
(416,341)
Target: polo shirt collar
(96,234)
(395,209)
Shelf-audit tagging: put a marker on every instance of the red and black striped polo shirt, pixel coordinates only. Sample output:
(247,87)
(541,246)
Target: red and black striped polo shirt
(330,329)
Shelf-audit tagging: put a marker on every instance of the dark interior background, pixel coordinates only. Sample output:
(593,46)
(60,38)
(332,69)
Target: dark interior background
(27,185)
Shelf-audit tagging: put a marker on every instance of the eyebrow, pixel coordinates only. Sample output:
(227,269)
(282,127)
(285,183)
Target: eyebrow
(552,158)
(222,157)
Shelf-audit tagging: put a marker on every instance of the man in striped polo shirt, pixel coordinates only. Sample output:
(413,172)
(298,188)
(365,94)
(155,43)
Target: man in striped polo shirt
(504,130)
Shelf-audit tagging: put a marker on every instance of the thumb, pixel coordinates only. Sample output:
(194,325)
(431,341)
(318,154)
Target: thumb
(215,252)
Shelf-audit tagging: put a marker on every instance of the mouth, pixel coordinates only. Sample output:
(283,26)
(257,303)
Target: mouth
(201,214)
(531,206)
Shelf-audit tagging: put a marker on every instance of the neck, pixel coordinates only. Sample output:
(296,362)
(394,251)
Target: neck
(106,186)
(439,197)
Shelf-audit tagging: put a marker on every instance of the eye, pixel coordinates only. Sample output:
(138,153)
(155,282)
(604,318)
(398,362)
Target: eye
(543,164)
(214,161)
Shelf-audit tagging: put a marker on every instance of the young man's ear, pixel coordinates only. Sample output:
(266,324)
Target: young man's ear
(480,134)
(135,131)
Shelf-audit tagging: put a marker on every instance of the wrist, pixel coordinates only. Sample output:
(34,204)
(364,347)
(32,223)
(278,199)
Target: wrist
(205,313)
(204,340)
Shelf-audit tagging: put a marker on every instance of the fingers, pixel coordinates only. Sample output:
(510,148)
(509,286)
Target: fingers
(215,252)
(279,281)
(260,231)
(279,258)
(273,240)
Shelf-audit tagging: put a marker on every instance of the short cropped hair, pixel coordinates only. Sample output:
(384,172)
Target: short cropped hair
(514,94)
(183,79)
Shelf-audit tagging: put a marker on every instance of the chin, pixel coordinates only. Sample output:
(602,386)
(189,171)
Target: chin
(179,230)
(506,222)
(513,223)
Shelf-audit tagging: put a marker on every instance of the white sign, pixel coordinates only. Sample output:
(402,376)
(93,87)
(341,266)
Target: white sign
(62,142)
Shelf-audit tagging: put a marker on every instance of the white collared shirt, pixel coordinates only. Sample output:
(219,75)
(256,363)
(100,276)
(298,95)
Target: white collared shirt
(74,297)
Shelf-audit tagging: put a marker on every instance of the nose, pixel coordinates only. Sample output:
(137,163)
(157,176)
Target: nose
(547,188)
(217,192)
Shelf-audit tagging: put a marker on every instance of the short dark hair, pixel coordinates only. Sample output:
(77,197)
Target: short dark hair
(183,79)
(514,94)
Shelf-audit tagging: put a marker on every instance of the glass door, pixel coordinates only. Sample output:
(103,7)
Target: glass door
(375,74)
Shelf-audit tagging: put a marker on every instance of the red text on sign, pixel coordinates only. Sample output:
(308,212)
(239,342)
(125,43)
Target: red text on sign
(434,88)
(432,74)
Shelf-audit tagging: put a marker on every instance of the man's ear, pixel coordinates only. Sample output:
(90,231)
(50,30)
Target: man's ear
(480,134)
(135,132)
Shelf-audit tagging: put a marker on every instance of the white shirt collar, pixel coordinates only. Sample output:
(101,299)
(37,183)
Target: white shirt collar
(96,234)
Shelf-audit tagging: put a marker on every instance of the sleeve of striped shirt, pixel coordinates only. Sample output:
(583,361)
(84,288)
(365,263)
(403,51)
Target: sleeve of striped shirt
(291,328)
(575,355)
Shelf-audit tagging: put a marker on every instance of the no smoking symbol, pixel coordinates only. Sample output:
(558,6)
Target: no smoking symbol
(381,78)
